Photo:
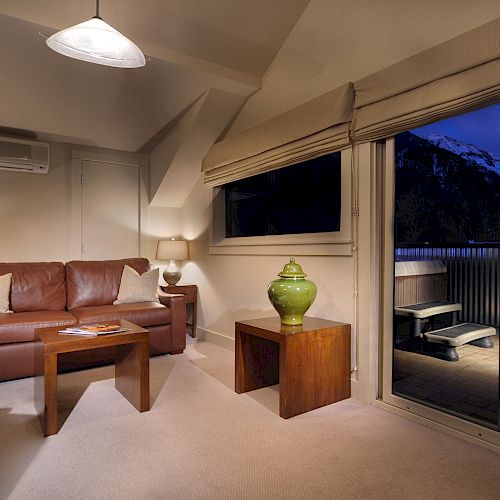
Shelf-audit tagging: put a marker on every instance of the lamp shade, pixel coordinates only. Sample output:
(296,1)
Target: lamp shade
(97,42)
(172,250)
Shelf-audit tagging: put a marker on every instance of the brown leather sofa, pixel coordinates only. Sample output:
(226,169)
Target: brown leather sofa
(47,294)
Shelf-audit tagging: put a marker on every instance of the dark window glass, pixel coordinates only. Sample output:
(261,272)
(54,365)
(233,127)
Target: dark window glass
(301,198)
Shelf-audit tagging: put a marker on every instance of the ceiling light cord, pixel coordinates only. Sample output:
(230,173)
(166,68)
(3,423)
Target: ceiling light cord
(97,9)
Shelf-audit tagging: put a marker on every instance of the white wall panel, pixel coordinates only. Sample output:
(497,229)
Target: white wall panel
(110,211)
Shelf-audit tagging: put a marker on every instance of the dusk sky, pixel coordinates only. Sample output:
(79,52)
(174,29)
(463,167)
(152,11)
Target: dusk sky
(480,128)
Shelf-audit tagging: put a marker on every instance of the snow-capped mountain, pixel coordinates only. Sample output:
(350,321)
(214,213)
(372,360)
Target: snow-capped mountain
(485,159)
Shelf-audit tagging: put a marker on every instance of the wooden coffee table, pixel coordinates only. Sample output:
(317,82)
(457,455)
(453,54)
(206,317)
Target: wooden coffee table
(311,362)
(131,366)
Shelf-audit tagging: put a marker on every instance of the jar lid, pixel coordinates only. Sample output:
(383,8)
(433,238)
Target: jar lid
(292,270)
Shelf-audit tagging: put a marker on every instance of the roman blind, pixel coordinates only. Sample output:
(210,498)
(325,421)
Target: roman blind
(316,127)
(451,78)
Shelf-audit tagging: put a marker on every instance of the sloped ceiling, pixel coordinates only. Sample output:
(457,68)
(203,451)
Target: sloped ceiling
(337,41)
(193,46)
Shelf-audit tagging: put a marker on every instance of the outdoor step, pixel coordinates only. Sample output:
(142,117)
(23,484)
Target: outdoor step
(457,335)
(427,309)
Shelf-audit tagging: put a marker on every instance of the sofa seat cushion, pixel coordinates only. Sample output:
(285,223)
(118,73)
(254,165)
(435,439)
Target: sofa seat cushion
(140,313)
(20,327)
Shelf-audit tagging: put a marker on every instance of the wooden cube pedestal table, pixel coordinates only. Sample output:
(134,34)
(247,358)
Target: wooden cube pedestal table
(131,366)
(311,362)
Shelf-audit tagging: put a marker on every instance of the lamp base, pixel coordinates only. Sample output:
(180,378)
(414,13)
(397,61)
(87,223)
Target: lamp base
(172,277)
(172,273)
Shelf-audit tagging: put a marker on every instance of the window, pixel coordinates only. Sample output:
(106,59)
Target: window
(302,198)
(302,209)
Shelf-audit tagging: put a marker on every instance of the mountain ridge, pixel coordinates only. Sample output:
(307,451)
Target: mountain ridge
(486,159)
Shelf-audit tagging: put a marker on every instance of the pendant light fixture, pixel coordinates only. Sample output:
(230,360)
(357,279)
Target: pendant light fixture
(97,42)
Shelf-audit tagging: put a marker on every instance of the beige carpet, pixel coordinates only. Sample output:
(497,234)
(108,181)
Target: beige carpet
(203,441)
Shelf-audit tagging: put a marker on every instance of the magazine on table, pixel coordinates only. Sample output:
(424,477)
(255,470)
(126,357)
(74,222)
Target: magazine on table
(93,330)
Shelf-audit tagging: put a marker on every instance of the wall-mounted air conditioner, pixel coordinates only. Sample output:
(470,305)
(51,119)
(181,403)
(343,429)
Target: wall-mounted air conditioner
(19,155)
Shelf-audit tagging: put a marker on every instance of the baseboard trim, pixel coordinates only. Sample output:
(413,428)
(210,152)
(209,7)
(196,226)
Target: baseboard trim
(354,389)
(215,338)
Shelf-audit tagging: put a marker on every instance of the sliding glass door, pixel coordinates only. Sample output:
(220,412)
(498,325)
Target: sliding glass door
(441,273)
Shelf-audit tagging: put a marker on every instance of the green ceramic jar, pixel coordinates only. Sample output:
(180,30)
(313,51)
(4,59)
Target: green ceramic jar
(291,294)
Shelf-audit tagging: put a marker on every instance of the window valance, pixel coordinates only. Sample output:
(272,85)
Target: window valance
(316,127)
(453,77)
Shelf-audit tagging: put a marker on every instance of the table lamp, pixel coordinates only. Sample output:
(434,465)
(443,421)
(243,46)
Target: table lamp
(172,250)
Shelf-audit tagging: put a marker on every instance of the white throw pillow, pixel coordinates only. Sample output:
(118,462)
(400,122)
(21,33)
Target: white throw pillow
(138,288)
(5,281)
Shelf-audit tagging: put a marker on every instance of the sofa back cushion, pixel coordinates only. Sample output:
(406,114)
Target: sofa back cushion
(36,286)
(96,283)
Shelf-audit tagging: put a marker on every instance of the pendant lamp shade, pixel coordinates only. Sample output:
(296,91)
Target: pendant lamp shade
(97,42)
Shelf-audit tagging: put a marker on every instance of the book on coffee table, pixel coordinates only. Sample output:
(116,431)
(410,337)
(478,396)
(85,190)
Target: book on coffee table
(93,330)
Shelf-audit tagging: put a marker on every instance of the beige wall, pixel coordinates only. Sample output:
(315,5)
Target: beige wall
(234,287)
(35,212)
(39,213)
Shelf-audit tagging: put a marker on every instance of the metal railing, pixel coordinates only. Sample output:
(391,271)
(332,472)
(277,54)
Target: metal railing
(473,278)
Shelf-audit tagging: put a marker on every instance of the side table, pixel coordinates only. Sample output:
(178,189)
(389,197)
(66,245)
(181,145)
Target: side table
(311,362)
(191,293)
